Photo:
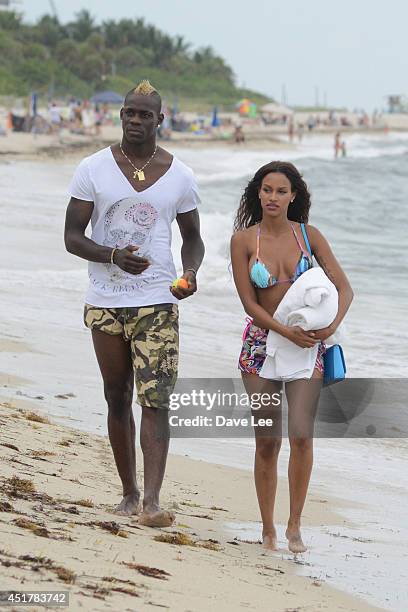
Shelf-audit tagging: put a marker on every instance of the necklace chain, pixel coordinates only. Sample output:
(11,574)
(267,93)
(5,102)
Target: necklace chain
(133,165)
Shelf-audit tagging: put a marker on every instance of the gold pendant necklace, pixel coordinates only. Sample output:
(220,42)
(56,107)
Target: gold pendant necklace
(138,173)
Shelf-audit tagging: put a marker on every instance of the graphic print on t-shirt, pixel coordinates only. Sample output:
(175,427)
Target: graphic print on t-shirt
(130,222)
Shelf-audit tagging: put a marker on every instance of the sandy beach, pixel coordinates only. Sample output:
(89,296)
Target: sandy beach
(18,145)
(58,533)
(66,144)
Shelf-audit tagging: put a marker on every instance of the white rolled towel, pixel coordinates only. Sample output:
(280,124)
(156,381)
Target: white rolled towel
(311,303)
(314,297)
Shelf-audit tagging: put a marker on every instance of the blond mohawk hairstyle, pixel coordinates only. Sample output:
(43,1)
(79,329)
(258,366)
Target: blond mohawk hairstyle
(145,88)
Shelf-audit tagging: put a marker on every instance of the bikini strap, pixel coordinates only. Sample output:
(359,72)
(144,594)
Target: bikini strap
(303,228)
(258,233)
(297,238)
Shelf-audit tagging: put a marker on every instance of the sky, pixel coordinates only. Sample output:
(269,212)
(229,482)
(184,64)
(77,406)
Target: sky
(351,53)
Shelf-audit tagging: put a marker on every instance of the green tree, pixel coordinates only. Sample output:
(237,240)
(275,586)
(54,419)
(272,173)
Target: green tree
(96,41)
(35,74)
(67,53)
(10,20)
(79,57)
(82,27)
(35,51)
(49,31)
(91,68)
(210,64)
(129,58)
(10,48)
(111,32)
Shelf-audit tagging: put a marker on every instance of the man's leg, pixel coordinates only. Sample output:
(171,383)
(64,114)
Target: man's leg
(154,441)
(155,358)
(114,358)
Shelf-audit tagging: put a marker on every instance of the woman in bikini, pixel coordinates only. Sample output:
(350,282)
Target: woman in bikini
(270,249)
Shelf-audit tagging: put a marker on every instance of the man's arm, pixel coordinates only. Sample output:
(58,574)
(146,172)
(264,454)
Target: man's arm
(77,218)
(192,251)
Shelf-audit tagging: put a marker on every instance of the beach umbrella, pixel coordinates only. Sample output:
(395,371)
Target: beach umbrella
(246,107)
(107,97)
(252,110)
(243,106)
(215,122)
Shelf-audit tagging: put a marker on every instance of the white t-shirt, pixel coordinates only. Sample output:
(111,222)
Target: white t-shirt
(123,216)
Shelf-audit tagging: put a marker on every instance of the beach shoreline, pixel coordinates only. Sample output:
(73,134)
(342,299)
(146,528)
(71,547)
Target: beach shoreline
(26,146)
(61,526)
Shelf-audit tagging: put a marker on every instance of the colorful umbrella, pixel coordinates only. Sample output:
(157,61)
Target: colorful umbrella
(246,108)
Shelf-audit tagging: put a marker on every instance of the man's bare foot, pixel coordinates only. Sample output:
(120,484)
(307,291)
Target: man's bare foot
(269,540)
(295,542)
(129,505)
(156,518)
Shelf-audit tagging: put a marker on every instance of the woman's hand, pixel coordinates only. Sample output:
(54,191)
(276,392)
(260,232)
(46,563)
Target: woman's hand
(305,339)
(323,334)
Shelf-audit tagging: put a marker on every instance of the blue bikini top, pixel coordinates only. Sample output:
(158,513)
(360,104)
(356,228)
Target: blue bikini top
(260,275)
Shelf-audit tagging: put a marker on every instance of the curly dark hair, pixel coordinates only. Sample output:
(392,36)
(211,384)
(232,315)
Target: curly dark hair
(250,210)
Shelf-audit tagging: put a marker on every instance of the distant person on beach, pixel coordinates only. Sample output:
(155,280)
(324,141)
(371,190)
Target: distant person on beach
(343,149)
(270,249)
(98,120)
(78,116)
(337,144)
(239,136)
(55,117)
(291,130)
(131,192)
(311,123)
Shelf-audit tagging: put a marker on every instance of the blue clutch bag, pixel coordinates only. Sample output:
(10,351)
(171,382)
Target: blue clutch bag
(334,365)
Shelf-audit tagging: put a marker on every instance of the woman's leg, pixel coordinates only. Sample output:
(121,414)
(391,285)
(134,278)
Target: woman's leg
(268,442)
(303,398)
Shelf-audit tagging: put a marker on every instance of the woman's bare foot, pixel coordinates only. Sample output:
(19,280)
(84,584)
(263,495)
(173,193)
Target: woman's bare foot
(295,542)
(156,518)
(269,539)
(129,505)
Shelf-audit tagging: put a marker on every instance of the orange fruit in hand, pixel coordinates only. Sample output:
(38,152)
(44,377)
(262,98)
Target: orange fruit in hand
(180,283)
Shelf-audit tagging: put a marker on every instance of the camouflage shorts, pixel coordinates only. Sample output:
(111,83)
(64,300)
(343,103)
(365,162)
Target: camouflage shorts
(153,335)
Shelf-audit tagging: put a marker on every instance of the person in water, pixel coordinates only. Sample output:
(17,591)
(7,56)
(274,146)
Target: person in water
(270,249)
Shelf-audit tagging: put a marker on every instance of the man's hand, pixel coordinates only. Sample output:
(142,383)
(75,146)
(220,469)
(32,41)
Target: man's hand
(127,261)
(305,339)
(180,293)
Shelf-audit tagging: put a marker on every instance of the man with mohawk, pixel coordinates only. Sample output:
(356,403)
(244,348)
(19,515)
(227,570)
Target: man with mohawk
(131,192)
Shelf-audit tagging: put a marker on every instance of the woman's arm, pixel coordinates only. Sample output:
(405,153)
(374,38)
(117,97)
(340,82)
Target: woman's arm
(327,261)
(247,294)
